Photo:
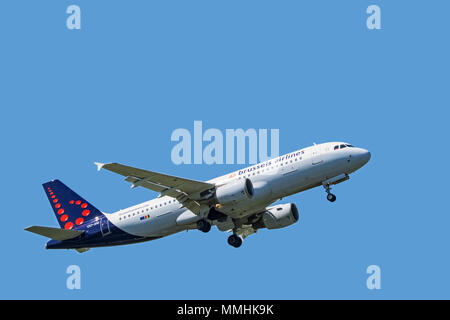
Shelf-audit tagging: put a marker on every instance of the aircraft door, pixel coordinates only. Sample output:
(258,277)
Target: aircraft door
(317,156)
(104,226)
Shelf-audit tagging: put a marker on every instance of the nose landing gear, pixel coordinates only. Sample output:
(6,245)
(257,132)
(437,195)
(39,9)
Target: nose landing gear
(330,197)
(335,180)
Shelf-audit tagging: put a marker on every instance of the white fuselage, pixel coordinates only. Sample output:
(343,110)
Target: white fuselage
(273,179)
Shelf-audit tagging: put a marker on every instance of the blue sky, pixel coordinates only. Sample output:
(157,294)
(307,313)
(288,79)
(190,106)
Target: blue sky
(116,89)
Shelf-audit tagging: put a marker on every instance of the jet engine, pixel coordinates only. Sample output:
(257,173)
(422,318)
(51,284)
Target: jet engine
(234,192)
(279,216)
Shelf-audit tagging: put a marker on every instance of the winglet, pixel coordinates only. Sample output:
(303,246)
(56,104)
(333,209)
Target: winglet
(99,165)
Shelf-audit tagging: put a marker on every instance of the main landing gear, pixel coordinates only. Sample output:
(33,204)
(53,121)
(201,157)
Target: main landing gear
(203,226)
(330,197)
(235,241)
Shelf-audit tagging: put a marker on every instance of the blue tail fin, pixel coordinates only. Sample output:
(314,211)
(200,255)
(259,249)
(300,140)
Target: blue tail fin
(70,209)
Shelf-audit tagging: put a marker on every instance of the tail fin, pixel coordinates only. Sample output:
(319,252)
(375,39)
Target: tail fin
(70,209)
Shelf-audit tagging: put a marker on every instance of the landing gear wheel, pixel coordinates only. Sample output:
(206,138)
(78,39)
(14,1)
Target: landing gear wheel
(203,226)
(331,197)
(234,241)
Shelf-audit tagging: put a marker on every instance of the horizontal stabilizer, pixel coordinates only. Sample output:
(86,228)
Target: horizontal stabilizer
(55,233)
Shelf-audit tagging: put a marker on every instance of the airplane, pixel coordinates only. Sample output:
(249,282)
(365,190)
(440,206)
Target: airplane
(240,202)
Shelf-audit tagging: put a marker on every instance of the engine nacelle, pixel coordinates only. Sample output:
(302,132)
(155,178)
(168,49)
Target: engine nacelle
(279,216)
(234,192)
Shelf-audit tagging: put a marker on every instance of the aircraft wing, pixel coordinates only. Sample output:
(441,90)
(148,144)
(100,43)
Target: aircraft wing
(184,190)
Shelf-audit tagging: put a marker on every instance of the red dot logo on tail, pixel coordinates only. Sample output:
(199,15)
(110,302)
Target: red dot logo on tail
(68,225)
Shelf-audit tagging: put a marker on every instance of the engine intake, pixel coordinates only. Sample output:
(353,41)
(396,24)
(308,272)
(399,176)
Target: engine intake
(235,192)
(277,217)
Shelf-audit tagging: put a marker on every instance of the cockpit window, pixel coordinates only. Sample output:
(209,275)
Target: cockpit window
(343,146)
(336,147)
(349,145)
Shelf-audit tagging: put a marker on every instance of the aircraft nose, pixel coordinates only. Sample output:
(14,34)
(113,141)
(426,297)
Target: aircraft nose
(366,156)
(363,156)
